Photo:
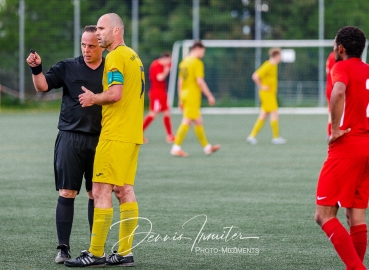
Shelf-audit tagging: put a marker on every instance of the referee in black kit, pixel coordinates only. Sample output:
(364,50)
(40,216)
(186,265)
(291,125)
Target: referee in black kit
(79,129)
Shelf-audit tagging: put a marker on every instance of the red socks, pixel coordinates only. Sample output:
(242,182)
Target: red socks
(359,238)
(166,121)
(342,243)
(147,121)
(168,125)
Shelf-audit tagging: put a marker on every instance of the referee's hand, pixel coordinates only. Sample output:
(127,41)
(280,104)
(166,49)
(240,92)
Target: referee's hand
(33,60)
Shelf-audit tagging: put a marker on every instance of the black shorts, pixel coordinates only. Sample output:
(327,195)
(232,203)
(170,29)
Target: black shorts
(74,158)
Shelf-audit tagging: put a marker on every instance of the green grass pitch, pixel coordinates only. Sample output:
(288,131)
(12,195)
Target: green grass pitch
(187,205)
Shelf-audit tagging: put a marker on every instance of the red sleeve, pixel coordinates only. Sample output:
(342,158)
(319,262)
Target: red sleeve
(331,60)
(339,73)
(154,70)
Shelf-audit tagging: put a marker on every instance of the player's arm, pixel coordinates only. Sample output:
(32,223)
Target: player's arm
(112,95)
(38,78)
(206,91)
(256,78)
(337,105)
(162,76)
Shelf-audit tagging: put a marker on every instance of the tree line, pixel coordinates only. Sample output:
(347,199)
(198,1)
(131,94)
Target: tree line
(49,25)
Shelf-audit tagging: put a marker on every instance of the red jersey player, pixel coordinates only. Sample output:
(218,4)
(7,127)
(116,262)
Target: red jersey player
(328,88)
(158,72)
(344,177)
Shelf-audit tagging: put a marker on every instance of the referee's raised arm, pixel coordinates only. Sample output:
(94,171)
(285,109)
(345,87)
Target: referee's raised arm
(38,78)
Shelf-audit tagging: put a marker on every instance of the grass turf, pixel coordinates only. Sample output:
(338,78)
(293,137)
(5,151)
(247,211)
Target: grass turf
(265,191)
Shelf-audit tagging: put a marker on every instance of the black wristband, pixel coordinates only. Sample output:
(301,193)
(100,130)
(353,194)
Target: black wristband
(36,70)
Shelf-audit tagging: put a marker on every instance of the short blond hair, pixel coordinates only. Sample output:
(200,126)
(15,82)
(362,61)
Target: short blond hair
(273,52)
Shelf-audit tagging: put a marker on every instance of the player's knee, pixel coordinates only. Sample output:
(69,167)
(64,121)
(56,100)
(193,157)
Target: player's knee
(101,191)
(186,121)
(355,216)
(166,113)
(199,121)
(153,114)
(124,193)
(319,218)
(117,191)
(67,193)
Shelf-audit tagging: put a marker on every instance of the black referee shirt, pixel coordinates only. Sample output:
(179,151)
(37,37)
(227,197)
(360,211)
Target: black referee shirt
(72,74)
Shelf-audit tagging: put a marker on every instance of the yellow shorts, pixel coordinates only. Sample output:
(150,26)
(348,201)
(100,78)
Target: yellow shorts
(191,109)
(268,101)
(116,162)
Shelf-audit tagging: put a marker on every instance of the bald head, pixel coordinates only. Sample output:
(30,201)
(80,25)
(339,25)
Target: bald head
(110,31)
(114,21)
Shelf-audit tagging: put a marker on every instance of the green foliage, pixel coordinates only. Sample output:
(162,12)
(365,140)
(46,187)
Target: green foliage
(293,19)
(341,13)
(49,27)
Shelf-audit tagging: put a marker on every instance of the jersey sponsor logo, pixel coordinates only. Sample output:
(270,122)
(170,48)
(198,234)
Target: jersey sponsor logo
(134,56)
(320,198)
(99,174)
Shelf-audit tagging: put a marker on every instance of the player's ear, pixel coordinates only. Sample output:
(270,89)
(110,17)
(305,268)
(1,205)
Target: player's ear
(341,49)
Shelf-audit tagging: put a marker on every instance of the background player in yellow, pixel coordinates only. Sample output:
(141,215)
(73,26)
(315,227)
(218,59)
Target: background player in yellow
(191,84)
(117,151)
(266,78)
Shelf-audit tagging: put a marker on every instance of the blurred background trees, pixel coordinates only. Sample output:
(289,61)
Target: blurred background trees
(49,25)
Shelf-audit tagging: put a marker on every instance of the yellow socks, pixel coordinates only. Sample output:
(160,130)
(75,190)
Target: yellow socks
(181,134)
(275,128)
(201,136)
(102,221)
(128,213)
(257,127)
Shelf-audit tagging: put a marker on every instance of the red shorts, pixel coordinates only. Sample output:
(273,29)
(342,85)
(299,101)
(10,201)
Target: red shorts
(158,103)
(344,182)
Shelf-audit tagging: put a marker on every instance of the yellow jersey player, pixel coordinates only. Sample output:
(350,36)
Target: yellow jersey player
(117,151)
(266,78)
(191,84)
